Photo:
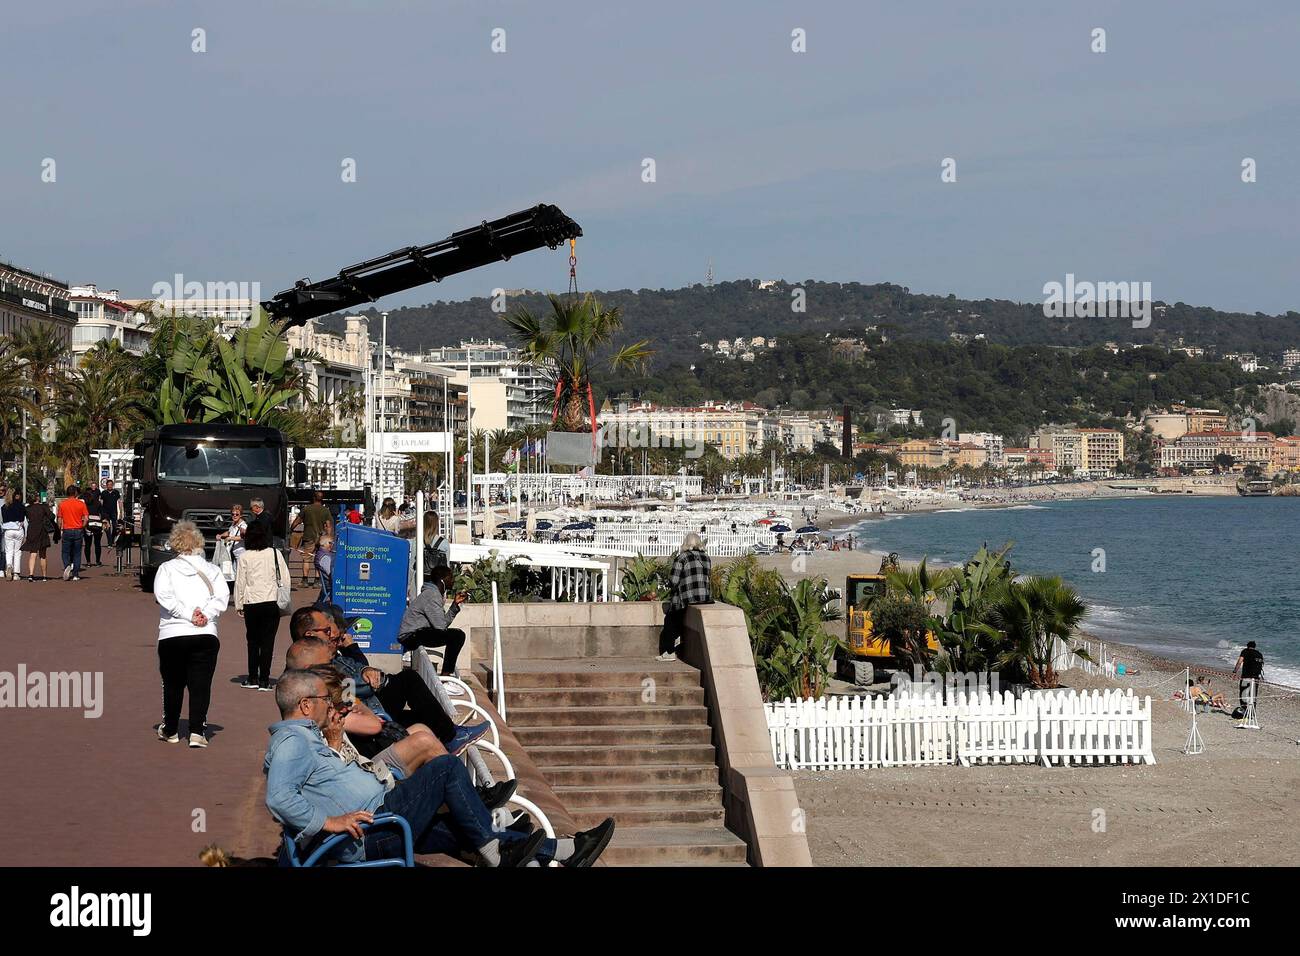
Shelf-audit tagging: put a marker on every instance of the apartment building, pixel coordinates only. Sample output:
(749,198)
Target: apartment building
(1199,450)
(29,298)
(1085,452)
(506,391)
(733,428)
(994,444)
(103,316)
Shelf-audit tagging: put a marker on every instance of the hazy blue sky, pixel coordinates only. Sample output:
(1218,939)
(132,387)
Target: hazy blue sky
(225,165)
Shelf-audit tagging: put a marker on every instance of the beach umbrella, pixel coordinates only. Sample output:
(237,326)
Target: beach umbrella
(764,521)
(510,524)
(543,526)
(809,529)
(779,528)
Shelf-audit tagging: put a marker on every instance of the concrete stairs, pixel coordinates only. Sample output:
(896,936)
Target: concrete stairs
(620,734)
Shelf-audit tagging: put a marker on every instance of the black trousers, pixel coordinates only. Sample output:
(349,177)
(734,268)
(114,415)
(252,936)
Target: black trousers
(674,620)
(406,689)
(94,536)
(261,622)
(452,638)
(187,663)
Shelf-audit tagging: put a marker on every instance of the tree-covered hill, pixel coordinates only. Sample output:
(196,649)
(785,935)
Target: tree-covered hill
(677,321)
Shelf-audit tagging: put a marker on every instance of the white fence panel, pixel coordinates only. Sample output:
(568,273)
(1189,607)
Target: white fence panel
(1052,727)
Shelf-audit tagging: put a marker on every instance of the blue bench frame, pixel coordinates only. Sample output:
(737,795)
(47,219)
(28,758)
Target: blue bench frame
(290,849)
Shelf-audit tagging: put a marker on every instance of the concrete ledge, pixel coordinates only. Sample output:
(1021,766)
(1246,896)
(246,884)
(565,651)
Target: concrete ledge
(759,798)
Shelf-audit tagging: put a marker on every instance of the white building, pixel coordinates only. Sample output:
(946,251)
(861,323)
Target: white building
(505,390)
(103,316)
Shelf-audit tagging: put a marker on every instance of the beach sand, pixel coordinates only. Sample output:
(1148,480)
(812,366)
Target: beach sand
(1234,804)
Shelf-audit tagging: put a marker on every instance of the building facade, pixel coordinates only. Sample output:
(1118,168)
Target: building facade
(30,299)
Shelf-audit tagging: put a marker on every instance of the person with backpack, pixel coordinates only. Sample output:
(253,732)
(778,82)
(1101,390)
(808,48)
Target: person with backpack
(437,549)
(259,578)
(1250,667)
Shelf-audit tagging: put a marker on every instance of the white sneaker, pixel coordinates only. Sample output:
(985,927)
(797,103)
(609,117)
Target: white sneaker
(668,656)
(198,740)
(67,573)
(173,739)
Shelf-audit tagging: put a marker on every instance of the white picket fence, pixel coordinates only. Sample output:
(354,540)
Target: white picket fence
(1051,727)
(1099,662)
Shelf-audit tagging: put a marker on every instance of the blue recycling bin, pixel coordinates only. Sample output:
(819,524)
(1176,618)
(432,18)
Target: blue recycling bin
(371,572)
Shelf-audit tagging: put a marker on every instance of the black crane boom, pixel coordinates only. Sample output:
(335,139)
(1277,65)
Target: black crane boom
(481,245)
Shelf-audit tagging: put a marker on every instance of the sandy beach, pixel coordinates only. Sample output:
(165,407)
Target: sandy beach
(1233,804)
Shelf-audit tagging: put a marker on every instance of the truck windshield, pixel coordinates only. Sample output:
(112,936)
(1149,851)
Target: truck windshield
(220,463)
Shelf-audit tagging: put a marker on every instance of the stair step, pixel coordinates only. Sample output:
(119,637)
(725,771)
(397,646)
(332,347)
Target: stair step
(597,672)
(642,714)
(650,816)
(647,775)
(643,695)
(611,736)
(630,751)
(698,795)
(667,846)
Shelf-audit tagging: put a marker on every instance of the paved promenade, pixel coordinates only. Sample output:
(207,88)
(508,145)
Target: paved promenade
(106,791)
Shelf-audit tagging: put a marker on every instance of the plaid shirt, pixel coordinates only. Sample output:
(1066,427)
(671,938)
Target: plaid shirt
(689,580)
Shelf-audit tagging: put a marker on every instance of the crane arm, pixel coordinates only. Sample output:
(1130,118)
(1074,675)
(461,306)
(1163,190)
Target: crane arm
(402,269)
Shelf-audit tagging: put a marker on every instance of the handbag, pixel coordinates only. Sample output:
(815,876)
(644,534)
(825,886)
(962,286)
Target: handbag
(283,592)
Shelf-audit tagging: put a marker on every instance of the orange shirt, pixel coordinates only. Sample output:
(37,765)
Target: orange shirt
(73,514)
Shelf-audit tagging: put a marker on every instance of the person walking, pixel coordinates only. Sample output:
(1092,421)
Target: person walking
(689,583)
(94,528)
(1250,668)
(258,577)
(315,520)
(427,622)
(110,509)
(13,529)
(72,524)
(234,535)
(40,525)
(191,595)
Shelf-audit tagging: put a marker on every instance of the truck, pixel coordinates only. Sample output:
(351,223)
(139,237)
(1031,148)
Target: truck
(196,472)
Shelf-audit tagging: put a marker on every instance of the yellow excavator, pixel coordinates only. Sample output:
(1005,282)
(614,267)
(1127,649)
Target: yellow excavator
(864,652)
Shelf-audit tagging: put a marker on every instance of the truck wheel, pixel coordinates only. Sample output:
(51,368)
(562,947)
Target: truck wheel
(146,579)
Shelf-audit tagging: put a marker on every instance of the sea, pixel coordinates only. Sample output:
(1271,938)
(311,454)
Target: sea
(1185,577)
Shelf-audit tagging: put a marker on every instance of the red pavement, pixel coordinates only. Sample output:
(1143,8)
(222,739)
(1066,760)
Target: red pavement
(106,791)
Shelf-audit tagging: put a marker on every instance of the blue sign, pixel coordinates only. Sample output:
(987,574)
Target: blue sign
(371,571)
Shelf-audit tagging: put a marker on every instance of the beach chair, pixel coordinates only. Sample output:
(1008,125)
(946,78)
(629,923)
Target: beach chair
(289,855)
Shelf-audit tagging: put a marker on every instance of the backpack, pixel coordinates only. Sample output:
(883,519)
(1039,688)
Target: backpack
(435,555)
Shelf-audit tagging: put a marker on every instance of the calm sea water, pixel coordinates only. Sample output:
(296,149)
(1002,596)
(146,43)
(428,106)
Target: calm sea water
(1193,578)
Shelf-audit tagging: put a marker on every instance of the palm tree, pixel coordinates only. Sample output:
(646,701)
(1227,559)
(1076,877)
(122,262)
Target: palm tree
(904,611)
(973,591)
(15,394)
(566,344)
(102,396)
(1033,615)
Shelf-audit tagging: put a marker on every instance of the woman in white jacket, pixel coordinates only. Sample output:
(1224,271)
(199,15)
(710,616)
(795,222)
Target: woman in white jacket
(191,594)
(257,580)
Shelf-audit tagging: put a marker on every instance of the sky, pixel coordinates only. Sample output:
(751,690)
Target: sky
(226,165)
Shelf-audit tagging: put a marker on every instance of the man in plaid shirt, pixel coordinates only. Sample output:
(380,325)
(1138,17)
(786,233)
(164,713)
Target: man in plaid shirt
(689,584)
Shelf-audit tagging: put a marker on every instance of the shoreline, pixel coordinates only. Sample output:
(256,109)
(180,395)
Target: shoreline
(835,565)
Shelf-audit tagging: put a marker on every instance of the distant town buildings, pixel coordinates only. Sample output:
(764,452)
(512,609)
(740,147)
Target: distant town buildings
(742,348)
(899,416)
(1200,449)
(986,440)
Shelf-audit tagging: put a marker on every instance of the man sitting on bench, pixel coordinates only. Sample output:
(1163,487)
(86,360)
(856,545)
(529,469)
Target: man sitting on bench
(311,792)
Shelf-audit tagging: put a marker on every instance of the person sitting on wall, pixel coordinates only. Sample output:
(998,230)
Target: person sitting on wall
(689,583)
(427,621)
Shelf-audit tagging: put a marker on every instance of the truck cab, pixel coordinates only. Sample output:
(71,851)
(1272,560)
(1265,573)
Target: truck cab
(197,473)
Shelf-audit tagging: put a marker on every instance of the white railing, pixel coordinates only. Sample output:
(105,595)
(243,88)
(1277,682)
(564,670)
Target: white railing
(1099,662)
(915,731)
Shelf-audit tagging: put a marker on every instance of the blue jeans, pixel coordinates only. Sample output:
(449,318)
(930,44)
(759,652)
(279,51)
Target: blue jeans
(467,825)
(71,543)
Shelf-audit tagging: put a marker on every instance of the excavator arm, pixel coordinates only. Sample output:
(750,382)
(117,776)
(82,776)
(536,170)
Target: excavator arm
(481,245)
